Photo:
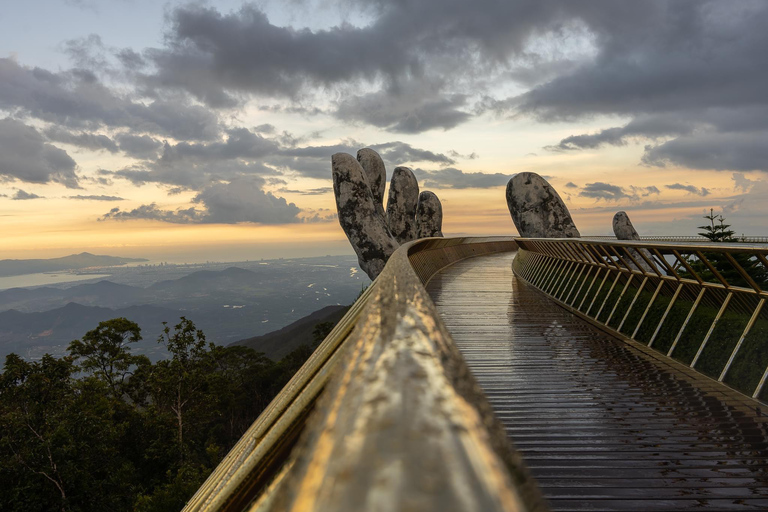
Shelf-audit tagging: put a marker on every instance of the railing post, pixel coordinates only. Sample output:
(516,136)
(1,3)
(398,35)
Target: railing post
(751,322)
(592,303)
(610,291)
(647,308)
(687,319)
(575,281)
(621,296)
(581,286)
(666,312)
(760,385)
(632,304)
(559,283)
(712,328)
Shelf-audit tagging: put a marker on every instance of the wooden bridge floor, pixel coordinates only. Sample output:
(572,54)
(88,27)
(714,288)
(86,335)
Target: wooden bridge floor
(602,424)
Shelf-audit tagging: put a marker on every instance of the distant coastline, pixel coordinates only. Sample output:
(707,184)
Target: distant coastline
(80,261)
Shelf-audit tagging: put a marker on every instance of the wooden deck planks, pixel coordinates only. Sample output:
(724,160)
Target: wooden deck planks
(603,426)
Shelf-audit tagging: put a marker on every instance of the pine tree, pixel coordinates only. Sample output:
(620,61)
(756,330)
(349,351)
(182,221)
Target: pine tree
(718,231)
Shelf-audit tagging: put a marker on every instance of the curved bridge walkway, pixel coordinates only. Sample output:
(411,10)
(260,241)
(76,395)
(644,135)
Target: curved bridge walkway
(602,424)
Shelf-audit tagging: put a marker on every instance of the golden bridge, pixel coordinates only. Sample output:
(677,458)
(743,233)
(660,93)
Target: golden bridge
(512,374)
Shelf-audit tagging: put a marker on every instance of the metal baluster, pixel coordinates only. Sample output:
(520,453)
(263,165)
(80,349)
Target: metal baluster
(632,304)
(610,291)
(592,303)
(751,322)
(666,312)
(647,308)
(586,278)
(557,277)
(566,278)
(687,319)
(621,296)
(586,293)
(760,385)
(540,267)
(711,328)
(575,282)
(555,269)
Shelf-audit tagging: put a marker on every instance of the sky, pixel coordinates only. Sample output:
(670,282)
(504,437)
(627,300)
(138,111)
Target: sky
(204,130)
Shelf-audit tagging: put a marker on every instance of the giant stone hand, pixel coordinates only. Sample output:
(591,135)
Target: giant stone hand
(373,233)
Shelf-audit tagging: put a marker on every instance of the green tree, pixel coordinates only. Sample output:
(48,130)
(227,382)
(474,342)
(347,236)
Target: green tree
(59,442)
(105,352)
(178,384)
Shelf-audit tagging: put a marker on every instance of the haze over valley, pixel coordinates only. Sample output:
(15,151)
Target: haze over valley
(228,301)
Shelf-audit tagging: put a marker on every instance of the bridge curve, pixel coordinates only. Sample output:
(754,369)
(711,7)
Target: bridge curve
(410,406)
(602,423)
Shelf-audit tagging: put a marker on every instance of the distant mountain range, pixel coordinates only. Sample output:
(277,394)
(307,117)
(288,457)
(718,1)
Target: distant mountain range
(71,262)
(33,334)
(278,344)
(228,305)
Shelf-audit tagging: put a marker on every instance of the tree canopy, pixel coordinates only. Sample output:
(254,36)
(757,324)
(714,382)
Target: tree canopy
(104,429)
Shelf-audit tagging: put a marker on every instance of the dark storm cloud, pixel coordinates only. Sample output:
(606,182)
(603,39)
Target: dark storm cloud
(241,200)
(139,146)
(239,143)
(76,99)
(689,188)
(675,56)
(21,195)
(718,151)
(416,52)
(455,178)
(25,156)
(406,113)
(85,140)
(684,70)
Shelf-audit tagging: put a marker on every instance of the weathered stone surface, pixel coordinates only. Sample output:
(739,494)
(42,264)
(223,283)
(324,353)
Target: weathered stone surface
(623,228)
(375,174)
(365,228)
(429,215)
(537,209)
(401,204)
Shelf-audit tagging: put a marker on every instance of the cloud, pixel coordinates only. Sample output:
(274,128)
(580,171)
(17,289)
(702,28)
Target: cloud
(76,99)
(689,188)
(21,195)
(571,184)
(683,71)
(718,151)
(309,192)
(605,191)
(401,153)
(413,112)
(25,156)
(455,178)
(85,140)
(647,191)
(97,198)
(152,212)
(741,182)
(139,146)
(241,200)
